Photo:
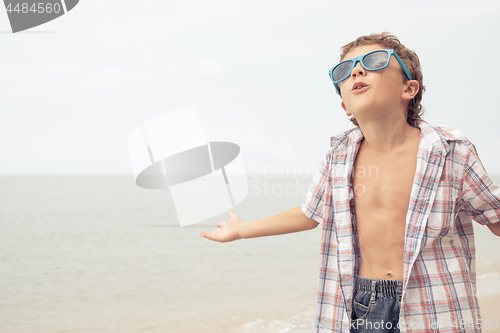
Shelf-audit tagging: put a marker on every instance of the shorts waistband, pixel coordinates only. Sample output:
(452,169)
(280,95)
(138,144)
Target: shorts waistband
(387,287)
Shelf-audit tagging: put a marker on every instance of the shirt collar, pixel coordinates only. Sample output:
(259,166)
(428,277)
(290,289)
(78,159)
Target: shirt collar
(433,134)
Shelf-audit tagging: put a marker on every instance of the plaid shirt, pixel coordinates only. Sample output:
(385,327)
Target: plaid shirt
(450,188)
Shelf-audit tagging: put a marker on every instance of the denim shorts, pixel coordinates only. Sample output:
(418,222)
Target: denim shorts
(376,306)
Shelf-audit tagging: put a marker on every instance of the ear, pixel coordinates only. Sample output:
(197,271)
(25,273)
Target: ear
(345,109)
(411,90)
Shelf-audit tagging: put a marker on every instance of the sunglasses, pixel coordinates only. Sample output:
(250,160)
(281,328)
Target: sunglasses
(372,61)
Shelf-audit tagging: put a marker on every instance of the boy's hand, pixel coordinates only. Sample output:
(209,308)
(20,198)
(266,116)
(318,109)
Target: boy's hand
(229,231)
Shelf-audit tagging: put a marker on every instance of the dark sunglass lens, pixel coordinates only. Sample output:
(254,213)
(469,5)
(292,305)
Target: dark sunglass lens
(341,71)
(376,60)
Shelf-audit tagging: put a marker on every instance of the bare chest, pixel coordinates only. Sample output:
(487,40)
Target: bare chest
(382,184)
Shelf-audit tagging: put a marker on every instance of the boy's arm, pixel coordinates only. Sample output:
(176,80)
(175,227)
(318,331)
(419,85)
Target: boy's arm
(292,220)
(480,194)
(494,228)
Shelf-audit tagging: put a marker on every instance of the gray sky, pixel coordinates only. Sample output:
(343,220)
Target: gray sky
(73,89)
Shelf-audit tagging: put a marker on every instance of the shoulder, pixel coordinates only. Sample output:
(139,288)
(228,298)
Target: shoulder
(454,137)
(347,137)
(451,134)
(446,134)
(456,140)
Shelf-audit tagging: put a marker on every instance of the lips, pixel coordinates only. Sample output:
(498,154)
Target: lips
(359,85)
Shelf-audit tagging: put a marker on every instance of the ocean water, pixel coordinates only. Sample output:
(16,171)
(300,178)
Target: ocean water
(98,254)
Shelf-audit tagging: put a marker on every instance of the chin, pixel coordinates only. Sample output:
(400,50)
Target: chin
(362,108)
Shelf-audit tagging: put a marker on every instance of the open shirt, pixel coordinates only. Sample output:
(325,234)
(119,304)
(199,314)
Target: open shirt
(450,189)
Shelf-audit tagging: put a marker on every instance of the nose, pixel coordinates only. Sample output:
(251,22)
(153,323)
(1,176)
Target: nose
(358,70)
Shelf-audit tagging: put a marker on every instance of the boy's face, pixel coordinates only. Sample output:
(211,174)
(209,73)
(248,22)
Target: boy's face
(382,89)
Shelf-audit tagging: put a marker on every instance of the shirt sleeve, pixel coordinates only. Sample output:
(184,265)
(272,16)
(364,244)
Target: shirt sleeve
(314,204)
(480,195)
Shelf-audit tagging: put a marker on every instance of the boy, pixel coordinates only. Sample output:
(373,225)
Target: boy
(396,197)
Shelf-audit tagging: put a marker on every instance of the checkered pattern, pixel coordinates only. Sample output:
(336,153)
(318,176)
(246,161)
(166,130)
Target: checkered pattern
(450,188)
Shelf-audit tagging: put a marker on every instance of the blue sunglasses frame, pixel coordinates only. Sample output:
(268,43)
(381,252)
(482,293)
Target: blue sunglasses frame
(360,59)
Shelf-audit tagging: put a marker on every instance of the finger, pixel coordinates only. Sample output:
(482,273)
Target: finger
(230,214)
(214,235)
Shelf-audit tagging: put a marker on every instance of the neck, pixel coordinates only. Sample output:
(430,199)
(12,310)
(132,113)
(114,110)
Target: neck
(388,135)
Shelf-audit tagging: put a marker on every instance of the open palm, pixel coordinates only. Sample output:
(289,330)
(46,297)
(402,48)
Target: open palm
(227,232)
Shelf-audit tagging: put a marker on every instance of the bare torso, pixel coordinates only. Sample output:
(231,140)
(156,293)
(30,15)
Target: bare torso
(382,185)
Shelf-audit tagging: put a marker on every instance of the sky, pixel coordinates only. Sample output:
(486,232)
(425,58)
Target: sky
(73,89)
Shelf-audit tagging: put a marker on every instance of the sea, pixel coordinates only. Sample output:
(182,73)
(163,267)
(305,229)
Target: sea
(96,253)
